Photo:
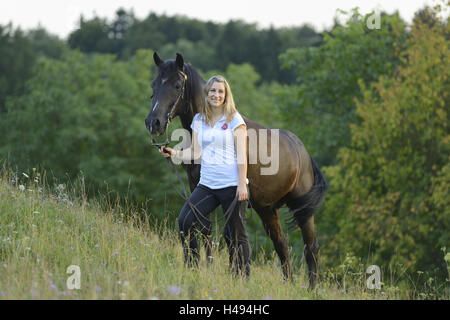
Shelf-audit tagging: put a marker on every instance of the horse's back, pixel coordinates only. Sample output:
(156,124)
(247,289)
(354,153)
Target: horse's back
(290,163)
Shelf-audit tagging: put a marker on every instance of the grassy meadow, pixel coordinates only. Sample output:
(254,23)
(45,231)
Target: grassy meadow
(45,229)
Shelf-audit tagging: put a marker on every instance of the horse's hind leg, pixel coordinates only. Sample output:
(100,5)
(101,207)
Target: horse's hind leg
(310,251)
(271,221)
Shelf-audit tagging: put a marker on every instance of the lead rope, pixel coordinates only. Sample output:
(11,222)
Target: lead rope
(194,209)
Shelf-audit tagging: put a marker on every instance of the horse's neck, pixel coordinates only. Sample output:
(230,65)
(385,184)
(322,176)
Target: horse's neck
(186,120)
(195,97)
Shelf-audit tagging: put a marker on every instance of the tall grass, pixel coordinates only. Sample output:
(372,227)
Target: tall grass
(45,229)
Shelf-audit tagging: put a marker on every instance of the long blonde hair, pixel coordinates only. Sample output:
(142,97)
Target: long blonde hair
(229,107)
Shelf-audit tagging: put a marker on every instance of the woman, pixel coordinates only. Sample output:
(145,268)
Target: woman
(219,138)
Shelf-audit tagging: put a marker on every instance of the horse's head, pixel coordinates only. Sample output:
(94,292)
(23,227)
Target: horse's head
(169,94)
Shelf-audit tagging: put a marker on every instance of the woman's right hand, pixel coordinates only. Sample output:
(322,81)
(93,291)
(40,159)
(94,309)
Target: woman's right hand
(167,152)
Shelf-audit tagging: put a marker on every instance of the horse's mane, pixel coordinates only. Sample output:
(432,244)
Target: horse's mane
(196,82)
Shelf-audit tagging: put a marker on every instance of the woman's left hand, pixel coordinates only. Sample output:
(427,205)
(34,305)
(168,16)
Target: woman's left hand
(242,192)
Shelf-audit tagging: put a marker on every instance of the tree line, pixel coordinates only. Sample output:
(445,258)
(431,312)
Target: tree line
(371,106)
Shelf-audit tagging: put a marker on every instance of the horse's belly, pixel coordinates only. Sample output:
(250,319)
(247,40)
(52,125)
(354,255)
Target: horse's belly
(268,189)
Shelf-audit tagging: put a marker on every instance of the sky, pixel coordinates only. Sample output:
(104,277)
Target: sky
(61,17)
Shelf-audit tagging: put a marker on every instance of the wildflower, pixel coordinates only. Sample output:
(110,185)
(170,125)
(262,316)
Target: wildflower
(97,246)
(71,249)
(98,289)
(21,187)
(33,293)
(13,181)
(115,253)
(303,287)
(174,290)
(267,298)
(2,294)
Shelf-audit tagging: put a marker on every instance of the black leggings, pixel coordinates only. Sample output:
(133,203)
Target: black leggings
(192,223)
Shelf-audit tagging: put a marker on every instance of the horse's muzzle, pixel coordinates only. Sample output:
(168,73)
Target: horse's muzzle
(154,126)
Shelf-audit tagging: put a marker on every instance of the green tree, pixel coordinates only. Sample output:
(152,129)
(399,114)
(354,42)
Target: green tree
(118,32)
(145,34)
(198,54)
(328,80)
(46,44)
(231,46)
(92,36)
(16,62)
(389,195)
(85,114)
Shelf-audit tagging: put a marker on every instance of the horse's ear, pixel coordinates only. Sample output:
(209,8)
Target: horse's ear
(157,59)
(180,61)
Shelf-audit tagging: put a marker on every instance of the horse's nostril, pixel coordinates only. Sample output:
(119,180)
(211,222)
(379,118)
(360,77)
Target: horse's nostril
(154,125)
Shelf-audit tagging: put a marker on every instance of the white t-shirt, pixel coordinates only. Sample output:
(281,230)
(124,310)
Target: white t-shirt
(219,167)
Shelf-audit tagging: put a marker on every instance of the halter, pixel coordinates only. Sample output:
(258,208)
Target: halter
(171,113)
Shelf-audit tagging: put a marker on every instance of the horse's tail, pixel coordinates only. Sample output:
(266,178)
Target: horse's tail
(303,207)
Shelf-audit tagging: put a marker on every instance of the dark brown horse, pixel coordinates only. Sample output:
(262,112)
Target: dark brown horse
(298,182)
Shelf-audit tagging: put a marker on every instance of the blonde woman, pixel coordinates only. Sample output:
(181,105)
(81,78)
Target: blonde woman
(219,138)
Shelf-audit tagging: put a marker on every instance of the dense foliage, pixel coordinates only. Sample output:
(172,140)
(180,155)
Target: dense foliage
(328,79)
(83,114)
(370,105)
(389,197)
(207,45)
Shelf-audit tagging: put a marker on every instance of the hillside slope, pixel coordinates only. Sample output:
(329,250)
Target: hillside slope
(44,231)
